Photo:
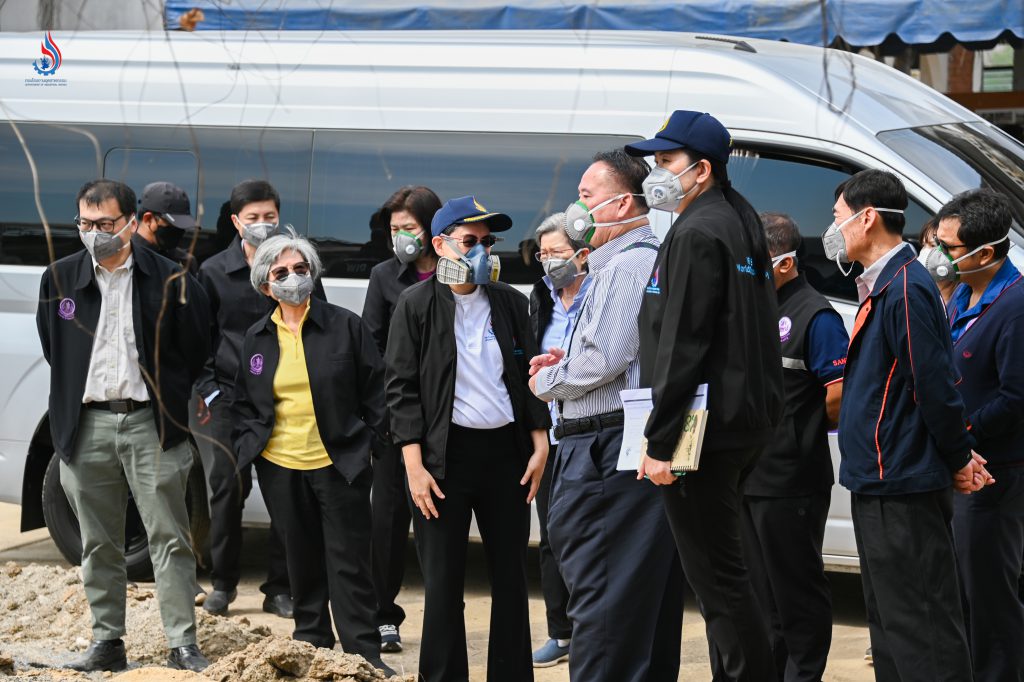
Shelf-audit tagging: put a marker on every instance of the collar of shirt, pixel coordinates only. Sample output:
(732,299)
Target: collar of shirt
(577,300)
(103,272)
(960,303)
(282,327)
(866,281)
(236,256)
(600,257)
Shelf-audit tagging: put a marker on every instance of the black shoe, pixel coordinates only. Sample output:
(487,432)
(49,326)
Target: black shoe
(278,604)
(188,657)
(384,668)
(102,654)
(217,601)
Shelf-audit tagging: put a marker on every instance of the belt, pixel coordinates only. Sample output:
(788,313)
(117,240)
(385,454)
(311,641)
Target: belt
(572,427)
(118,406)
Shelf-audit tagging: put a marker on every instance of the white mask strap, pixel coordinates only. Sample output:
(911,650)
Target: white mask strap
(778,259)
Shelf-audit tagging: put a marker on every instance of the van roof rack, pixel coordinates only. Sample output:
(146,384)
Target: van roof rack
(736,43)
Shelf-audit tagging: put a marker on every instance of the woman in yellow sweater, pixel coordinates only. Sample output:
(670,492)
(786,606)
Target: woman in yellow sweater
(308,402)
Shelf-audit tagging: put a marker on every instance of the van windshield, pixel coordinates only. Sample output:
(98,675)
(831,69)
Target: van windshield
(963,156)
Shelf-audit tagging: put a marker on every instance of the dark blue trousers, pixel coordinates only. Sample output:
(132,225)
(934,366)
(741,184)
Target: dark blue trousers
(613,544)
(988,531)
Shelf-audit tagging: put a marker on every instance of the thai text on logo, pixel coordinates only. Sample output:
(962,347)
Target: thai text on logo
(47,64)
(785,327)
(256,364)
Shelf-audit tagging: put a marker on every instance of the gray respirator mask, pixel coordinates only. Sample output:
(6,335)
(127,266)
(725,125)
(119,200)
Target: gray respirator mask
(834,243)
(562,271)
(294,289)
(942,268)
(407,246)
(257,233)
(103,245)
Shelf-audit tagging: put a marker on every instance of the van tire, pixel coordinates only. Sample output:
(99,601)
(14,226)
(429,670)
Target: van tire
(63,524)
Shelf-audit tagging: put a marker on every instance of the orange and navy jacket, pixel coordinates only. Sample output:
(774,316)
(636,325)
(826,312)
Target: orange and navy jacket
(901,427)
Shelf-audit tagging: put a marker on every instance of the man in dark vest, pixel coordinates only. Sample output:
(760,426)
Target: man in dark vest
(786,496)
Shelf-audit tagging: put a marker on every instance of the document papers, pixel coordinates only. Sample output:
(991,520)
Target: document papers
(637,405)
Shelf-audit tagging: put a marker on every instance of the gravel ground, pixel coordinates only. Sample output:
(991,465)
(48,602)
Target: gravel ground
(44,620)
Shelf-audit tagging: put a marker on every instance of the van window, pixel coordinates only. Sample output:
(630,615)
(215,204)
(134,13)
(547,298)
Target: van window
(526,176)
(139,167)
(964,156)
(804,188)
(65,158)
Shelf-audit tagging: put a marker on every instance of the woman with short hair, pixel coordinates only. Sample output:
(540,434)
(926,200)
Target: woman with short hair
(309,434)
(555,303)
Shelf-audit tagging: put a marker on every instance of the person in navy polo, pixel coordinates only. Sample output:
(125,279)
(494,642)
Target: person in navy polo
(986,317)
(903,439)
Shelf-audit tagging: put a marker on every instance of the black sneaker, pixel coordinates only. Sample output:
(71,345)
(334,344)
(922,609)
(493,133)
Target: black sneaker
(390,640)
(279,605)
(187,657)
(217,601)
(102,654)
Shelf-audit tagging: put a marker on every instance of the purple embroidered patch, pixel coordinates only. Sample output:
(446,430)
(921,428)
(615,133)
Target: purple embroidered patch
(256,364)
(66,309)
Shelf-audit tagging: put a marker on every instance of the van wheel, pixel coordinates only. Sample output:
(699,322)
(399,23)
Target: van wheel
(63,524)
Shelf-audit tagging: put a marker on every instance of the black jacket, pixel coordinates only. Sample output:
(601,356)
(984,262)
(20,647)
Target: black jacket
(180,256)
(709,317)
(234,307)
(67,316)
(420,367)
(345,380)
(542,308)
(387,282)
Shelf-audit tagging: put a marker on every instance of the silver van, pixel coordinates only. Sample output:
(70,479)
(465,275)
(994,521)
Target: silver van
(338,121)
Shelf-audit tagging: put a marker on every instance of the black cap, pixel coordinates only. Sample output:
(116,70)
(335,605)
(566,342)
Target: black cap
(168,201)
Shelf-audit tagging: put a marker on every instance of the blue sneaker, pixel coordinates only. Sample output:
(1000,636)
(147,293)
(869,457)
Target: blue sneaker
(550,654)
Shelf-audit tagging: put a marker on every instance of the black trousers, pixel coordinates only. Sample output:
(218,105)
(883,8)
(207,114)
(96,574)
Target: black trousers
(556,594)
(325,523)
(483,469)
(612,541)
(228,490)
(988,530)
(782,540)
(908,569)
(704,510)
(391,519)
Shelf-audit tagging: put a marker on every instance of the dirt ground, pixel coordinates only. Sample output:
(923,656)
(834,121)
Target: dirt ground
(44,621)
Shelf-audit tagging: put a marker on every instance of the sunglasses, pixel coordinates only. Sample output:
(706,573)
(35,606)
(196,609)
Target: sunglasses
(300,268)
(471,240)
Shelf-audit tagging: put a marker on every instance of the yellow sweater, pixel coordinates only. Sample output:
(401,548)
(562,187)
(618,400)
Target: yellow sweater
(295,442)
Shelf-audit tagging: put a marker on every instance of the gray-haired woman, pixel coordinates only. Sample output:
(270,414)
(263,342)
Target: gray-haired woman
(555,303)
(309,434)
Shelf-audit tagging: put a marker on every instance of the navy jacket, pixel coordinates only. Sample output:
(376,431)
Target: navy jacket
(170,336)
(901,426)
(990,357)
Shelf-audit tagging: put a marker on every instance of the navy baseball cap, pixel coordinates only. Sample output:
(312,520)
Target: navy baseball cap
(467,210)
(694,130)
(168,201)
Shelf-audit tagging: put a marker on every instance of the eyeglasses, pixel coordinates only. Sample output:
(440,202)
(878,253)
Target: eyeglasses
(542,256)
(300,268)
(946,247)
(103,225)
(470,240)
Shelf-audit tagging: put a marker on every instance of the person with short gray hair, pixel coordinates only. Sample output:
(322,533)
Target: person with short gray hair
(555,303)
(309,436)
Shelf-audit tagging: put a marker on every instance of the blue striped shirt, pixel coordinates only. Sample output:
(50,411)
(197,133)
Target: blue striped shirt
(602,357)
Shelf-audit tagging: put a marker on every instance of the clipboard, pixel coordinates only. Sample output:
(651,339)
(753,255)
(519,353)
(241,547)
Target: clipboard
(637,405)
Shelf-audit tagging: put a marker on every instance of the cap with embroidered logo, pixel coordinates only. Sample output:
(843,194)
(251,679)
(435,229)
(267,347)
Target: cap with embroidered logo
(467,211)
(701,132)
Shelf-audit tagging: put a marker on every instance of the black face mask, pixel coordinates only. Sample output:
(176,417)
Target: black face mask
(168,237)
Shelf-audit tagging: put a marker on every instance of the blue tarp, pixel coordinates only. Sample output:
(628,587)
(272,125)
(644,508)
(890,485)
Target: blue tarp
(859,22)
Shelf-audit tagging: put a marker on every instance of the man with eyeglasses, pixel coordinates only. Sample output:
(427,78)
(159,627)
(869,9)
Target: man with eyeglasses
(234,307)
(607,530)
(165,217)
(123,355)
